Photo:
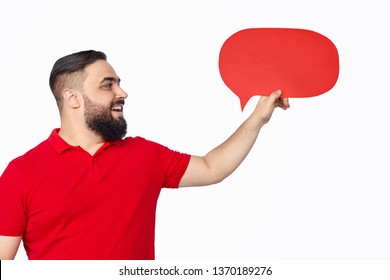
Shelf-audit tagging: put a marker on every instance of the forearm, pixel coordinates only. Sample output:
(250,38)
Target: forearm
(225,158)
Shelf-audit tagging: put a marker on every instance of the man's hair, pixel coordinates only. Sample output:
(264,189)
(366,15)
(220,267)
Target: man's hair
(68,72)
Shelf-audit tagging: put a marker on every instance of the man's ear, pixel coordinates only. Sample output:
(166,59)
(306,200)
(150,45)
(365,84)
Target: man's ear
(71,98)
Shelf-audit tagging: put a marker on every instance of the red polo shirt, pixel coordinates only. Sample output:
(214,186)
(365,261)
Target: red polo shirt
(68,204)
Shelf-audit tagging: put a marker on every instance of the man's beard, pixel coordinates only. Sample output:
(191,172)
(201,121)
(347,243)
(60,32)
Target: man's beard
(100,120)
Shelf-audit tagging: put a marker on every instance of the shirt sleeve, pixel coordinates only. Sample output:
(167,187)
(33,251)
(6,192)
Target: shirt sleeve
(12,210)
(172,164)
(177,164)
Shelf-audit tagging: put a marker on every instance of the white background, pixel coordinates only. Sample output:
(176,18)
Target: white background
(315,185)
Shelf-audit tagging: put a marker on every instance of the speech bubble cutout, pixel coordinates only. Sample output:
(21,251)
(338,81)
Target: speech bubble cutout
(258,61)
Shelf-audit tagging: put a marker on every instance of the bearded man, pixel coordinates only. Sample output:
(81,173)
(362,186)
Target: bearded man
(89,192)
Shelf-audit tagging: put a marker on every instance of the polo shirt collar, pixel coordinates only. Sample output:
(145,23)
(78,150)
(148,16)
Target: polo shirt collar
(60,145)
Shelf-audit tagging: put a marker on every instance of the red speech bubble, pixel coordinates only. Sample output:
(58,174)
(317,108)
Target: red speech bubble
(258,61)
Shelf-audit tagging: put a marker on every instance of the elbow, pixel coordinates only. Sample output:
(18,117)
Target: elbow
(218,178)
(217,174)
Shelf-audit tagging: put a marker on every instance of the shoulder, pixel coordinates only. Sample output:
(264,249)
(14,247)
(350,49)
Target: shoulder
(39,152)
(18,172)
(145,147)
(140,142)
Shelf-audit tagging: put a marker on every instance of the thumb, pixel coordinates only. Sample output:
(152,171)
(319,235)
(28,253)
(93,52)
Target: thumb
(275,95)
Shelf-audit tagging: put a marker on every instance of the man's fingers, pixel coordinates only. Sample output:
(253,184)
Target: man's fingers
(278,101)
(275,99)
(283,103)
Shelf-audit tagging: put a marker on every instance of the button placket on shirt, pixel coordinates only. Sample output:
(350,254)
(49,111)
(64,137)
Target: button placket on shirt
(93,171)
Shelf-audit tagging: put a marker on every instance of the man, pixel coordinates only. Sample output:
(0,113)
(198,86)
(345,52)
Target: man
(89,193)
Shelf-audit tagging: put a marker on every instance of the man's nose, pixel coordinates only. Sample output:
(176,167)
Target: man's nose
(120,93)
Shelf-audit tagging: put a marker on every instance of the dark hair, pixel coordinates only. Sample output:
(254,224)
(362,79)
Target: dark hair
(68,70)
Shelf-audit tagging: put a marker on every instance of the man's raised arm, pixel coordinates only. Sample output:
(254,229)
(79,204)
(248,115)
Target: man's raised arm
(224,159)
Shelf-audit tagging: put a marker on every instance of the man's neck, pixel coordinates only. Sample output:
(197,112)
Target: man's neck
(85,138)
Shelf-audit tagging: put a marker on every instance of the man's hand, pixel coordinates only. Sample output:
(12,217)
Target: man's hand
(266,105)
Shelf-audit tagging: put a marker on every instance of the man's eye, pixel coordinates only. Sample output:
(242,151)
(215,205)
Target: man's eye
(107,86)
